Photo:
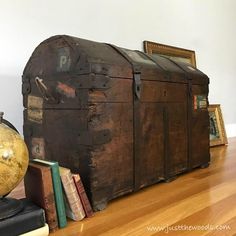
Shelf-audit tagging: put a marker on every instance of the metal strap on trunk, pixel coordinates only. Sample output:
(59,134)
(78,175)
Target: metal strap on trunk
(136,116)
(136,70)
(93,81)
(151,59)
(167,74)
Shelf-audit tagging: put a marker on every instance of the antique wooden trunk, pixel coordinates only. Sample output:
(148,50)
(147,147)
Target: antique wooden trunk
(121,118)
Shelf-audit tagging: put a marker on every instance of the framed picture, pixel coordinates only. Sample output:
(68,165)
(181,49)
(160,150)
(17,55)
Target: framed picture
(217,127)
(174,53)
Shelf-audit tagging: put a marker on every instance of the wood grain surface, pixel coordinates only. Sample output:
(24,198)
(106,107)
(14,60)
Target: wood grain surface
(202,202)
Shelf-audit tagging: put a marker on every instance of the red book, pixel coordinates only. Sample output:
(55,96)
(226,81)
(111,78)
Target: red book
(83,196)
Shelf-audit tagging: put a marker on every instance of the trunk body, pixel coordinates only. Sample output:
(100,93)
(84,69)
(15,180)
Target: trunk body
(122,119)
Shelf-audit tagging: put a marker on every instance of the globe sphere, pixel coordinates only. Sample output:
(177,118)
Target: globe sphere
(14,159)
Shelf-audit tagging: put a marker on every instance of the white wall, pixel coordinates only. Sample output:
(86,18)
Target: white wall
(206,26)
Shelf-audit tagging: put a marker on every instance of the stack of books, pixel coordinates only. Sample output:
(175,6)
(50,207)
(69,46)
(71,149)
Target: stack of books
(28,222)
(59,192)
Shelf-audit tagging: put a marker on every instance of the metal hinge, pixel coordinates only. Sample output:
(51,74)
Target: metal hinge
(26,88)
(93,81)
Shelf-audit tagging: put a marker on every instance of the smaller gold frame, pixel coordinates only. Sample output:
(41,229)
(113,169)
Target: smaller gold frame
(217,128)
(175,53)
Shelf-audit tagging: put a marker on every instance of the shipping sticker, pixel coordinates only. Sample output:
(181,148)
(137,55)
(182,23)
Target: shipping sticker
(199,102)
(66,90)
(38,148)
(63,59)
(35,115)
(35,102)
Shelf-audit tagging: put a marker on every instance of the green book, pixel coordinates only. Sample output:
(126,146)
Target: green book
(57,187)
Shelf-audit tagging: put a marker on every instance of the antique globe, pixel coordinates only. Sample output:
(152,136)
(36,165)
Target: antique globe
(14,159)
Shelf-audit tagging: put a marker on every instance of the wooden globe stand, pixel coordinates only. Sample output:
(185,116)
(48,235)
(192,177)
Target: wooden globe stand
(9,206)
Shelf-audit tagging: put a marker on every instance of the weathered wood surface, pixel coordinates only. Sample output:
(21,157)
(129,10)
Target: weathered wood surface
(122,119)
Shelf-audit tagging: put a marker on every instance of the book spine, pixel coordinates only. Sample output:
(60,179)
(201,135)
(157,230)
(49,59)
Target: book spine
(83,196)
(61,213)
(51,215)
(49,201)
(42,194)
(74,208)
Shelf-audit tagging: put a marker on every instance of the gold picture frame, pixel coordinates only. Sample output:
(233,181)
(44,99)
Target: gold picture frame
(217,128)
(174,53)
